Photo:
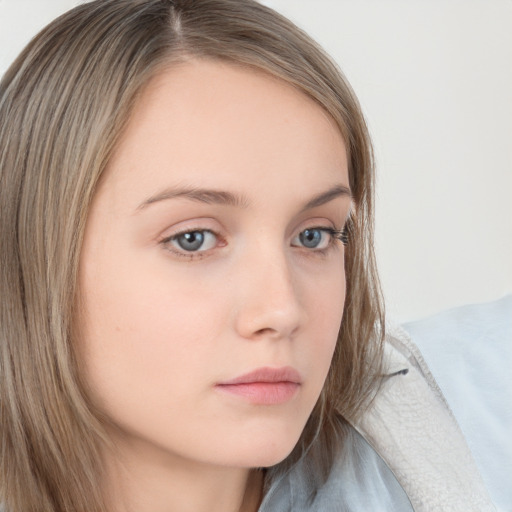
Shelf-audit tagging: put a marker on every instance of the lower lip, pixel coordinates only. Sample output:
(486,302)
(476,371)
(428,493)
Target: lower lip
(262,393)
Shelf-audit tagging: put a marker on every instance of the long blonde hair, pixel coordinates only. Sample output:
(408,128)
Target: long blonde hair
(63,106)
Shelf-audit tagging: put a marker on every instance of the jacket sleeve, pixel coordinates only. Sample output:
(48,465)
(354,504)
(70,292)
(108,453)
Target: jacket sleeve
(413,429)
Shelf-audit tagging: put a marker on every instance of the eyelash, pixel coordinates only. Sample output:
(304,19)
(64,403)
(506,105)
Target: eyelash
(335,237)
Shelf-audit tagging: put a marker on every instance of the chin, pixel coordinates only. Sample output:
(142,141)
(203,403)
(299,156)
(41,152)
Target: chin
(265,451)
(262,442)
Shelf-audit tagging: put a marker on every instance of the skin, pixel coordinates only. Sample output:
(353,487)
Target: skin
(161,326)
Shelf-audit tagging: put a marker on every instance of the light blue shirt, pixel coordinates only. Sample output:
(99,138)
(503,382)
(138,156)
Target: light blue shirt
(359,481)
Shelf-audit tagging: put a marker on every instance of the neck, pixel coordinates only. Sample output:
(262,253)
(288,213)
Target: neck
(148,483)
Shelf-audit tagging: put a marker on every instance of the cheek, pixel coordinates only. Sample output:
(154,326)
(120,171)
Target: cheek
(148,357)
(324,297)
(143,336)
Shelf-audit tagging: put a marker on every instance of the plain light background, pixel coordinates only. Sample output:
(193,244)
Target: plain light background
(434,78)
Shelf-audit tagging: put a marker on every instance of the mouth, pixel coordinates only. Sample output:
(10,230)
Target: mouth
(264,386)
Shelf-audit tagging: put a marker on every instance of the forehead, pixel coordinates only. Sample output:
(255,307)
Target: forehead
(212,123)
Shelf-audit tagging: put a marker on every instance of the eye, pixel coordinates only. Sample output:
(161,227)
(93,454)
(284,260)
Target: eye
(315,238)
(193,241)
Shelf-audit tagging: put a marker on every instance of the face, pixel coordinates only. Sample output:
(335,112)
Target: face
(212,275)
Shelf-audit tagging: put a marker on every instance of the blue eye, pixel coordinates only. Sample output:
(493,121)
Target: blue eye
(319,238)
(194,241)
(314,238)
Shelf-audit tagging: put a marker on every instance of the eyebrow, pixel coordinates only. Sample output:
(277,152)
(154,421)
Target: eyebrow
(222,197)
(201,195)
(329,195)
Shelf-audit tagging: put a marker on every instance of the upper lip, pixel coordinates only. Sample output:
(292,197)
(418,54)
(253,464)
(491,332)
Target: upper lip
(266,374)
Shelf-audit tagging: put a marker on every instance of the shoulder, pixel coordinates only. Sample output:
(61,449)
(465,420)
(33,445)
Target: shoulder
(412,428)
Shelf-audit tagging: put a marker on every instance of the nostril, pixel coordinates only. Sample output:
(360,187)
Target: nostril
(265,332)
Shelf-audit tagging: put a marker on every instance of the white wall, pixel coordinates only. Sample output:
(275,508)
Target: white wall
(435,81)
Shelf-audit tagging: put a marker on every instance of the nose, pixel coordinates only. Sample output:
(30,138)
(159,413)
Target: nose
(268,299)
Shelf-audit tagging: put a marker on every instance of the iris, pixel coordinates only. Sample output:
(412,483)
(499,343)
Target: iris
(311,238)
(191,241)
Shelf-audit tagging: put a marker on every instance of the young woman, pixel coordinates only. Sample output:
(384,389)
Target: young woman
(190,315)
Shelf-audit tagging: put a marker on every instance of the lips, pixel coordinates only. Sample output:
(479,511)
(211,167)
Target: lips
(264,386)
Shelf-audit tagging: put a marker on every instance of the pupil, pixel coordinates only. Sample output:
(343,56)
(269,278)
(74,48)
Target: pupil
(310,238)
(191,241)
